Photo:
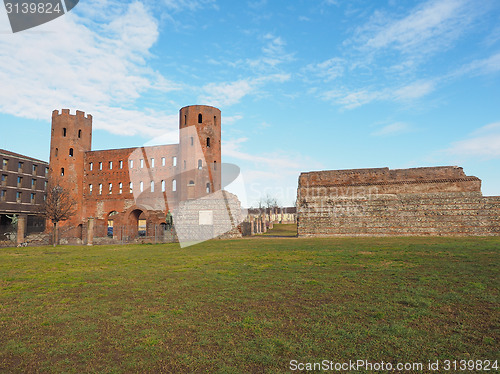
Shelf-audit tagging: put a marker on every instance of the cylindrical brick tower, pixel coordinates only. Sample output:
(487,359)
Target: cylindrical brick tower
(200,151)
(71,137)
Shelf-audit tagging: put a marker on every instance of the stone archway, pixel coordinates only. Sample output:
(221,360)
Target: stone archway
(137,223)
(111,224)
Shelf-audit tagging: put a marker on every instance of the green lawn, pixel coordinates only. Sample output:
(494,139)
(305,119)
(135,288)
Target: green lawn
(248,305)
(282,229)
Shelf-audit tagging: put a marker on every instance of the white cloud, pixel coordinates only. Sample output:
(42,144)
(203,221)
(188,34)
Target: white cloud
(191,5)
(74,62)
(429,27)
(225,94)
(484,142)
(273,54)
(353,99)
(393,129)
(329,69)
(484,66)
(414,90)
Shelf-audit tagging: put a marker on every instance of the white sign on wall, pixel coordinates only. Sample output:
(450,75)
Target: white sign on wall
(206,217)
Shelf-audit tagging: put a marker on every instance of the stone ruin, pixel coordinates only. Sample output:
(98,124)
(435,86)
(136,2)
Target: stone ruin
(401,202)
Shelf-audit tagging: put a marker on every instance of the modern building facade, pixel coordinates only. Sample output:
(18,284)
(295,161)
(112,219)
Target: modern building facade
(23,186)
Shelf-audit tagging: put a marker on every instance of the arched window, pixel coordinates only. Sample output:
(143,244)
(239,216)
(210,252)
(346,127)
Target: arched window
(174,185)
(79,133)
(162,186)
(184,164)
(215,165)
(200,118)
(71,152)
(208,142)
(64,131)
(62,172)
(57,152)
(185,120)
(215,120)
(141,186)
(200,165)
(208,187)
(152,186)
(191,183)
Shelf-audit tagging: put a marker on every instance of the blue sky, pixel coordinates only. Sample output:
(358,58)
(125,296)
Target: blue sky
(302,85)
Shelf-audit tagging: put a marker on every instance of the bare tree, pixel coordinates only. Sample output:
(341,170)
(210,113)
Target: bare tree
(269,203)
(58,206)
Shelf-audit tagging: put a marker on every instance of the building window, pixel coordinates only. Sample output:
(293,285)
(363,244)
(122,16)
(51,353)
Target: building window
(208,142)
(45,185)
(33,184)
(46,171)
(111,165)
(3,195)
(57,152)
(131,187)
(79,133)
(64,131)
(184,164)
(141,186)
(120,188)
(174,161)
(152,162)
(200,118)
(90,189)
(215,165)
(20,167)
(185,120)
(32,198)
(71,152)
(191,183)
(19,197)
(142,163)
(91,165)
(163,161)
(5,164)
(19,181)
(62,172)
(215,120)
(131,164)
(200,165)
(192,141)
(162,186)
(110,188)
(208,187)
(34,168)
(174,185)
(4,179)
(100,189)
(121,164)
(100,165)
(152,186)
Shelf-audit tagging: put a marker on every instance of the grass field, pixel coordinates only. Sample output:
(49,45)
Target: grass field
(248,306)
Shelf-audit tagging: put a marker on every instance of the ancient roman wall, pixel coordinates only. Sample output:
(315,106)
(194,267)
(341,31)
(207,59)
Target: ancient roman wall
(383,202)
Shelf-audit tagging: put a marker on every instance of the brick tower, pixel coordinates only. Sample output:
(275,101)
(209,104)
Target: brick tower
(71,137)
(199,151)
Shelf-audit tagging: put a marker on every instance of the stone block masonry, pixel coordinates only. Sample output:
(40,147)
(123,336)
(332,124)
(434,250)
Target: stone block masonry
(384,202)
